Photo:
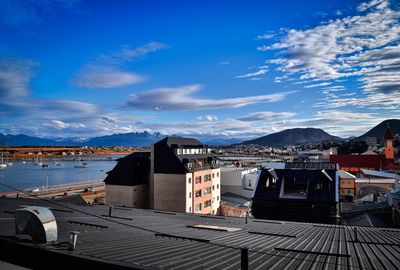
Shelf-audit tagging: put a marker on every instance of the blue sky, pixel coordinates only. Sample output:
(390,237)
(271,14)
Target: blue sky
(237,69)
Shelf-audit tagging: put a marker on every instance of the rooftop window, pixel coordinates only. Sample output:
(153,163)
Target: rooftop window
(293,188)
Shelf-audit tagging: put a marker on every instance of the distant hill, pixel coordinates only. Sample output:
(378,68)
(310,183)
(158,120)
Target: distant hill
(22,140)
(379,130)
(294,136)
(126,139)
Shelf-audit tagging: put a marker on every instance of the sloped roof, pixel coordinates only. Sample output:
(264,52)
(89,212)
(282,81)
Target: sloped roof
(180,141)
(149,239)
(345,175)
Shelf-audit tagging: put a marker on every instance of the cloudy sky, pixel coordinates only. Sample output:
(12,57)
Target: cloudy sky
(210,70)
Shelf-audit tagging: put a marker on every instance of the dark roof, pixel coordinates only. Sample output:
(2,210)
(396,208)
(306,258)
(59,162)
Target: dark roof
(378,162)
(155,239)
(388,134)
(310,165)
(131,170)
(179,141)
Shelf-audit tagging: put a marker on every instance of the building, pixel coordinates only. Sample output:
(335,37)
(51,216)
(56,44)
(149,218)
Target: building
(127,183)
(373,182)
(178,174)
(347,185)
(354,163)
(238,180)
(146,239)
(301,191)
(237,188)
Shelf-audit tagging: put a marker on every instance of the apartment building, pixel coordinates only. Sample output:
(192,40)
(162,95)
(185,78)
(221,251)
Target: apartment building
(186,177)
(178,174)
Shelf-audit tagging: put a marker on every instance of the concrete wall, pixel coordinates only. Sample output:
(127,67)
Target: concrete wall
(132,196)
(170,192)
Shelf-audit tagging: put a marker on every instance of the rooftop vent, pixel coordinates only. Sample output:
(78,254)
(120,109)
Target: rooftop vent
(37,222)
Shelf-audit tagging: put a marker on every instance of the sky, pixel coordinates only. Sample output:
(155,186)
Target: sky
(208,69)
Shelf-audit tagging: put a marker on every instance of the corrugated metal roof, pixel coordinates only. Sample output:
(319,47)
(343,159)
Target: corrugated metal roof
(169,240)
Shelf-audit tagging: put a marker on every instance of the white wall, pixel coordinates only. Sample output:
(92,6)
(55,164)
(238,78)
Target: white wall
(216,193)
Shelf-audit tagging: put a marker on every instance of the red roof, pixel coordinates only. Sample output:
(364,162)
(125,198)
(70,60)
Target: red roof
(378,162)
(388,134)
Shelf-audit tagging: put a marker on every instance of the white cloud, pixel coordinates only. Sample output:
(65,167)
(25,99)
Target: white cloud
(263,116)
(342,47)
(105,77)
(317,85)
(253,74)
(208,117)
(108,70)
(182,98)
(266,36)
(62,125)
(15,76)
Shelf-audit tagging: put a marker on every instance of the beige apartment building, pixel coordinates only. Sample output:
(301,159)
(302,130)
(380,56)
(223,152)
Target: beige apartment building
(178,174)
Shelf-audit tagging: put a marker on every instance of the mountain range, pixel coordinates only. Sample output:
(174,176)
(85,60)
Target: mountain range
(286,137)
(125,139)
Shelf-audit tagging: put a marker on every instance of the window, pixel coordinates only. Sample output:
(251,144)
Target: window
(198,193)
(179,151)
(217,186)
(217,198)
(190,180)
(207,190)
(213,187)
(294,188)
(207,177)
(270,182)
(213,175)
(342,181)
(190,194)
(342,191)
(190,209)
(198,179)
(198,207)
(217,174)
(348,182)
(249,182)
(207,203)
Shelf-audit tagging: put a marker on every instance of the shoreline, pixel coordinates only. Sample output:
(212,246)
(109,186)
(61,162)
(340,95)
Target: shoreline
(93,187)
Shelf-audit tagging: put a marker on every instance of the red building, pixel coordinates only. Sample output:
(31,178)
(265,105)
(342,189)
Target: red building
(354,163)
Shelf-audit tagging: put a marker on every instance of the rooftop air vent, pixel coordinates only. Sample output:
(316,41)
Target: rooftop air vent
(36,221)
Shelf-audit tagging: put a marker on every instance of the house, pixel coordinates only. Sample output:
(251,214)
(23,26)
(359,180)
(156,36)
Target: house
(347,185)
(178,174)
(301,191)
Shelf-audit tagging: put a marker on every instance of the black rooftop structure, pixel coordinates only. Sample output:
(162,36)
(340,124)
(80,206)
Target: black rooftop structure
(180,141)
(168,161)
(300,192)
(147,239)
(131,170)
